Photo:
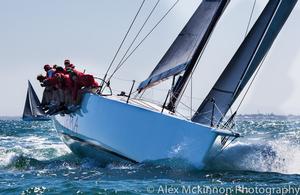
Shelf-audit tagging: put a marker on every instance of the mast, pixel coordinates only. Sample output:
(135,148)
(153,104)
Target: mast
(182,82)
(185,50)
(244,62)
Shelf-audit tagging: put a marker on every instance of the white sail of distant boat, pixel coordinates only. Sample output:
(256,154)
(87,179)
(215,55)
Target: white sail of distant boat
(114,128)
(32,111)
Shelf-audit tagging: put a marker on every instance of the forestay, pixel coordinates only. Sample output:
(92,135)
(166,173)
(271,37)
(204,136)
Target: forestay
(189,44)
(245,61)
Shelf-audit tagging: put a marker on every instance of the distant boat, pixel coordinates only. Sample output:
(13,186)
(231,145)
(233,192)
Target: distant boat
(32,111)
(114,128)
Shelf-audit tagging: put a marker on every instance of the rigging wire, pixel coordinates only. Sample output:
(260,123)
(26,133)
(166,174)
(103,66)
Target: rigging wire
(248,25)
(256,73)
(147,19)
(247,29)
(120,46)
(147,35)
(250,18)
(196,64)
(224,147)
(194,69)
(191,110)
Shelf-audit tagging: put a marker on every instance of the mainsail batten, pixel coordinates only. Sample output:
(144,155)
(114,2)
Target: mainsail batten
(189,44)
(245,61)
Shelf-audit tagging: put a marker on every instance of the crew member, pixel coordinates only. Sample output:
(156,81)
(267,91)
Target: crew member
(67,64)
(82,80)
(51,85)
(49,71)
(65,86)
(48,91)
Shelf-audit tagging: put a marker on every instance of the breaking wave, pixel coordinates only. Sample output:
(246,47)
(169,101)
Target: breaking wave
(269,145)
(281,156)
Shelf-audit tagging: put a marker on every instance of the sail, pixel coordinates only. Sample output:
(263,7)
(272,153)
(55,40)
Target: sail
(32,103)
(27,108)
(245,61)
(189,44)
(35,102)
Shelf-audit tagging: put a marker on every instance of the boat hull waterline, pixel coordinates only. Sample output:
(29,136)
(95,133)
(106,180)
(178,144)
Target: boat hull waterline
(113,131)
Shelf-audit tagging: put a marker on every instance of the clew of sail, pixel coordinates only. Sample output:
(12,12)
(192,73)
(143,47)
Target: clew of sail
(245,61)
(189,44)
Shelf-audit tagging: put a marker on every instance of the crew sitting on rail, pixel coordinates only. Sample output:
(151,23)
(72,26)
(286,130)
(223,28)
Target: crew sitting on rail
(48,91)
(61,95)
(57,94)
(64,87)
(82,83)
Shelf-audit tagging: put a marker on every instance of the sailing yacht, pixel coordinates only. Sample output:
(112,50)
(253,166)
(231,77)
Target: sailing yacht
(114,128)
(32,111)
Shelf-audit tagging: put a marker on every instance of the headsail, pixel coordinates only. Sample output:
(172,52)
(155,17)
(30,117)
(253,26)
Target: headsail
(245,61)
(32,110)
(189,44)
(27,108)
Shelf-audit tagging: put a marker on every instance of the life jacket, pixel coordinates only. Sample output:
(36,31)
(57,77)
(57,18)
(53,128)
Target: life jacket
(51,82)
(83,80)
(87,80)
(60,69)
(77,72)
(70,71)
(64,81)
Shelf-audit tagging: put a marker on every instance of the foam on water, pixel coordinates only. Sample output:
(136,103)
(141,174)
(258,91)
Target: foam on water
(33,160)
(27,144)
(40,148)
(271,156)
(268,146)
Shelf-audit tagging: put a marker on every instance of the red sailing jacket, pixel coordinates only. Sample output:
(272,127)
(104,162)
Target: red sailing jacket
(83,80)
(65,81)
(51,82)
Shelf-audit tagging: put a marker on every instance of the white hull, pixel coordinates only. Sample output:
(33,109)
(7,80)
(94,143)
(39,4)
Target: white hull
(111,130)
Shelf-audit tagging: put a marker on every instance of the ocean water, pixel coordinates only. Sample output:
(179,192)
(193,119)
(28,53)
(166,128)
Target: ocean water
(266,160)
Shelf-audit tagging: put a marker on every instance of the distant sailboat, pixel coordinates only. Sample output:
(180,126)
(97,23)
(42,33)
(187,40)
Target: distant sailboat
(116,128)
(32,111)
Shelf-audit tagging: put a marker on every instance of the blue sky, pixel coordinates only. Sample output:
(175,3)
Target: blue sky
(34,33)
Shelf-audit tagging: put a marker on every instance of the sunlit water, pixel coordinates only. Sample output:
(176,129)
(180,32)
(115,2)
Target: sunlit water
(33,160)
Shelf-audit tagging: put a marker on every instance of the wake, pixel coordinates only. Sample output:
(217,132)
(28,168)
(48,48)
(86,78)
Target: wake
(282,156)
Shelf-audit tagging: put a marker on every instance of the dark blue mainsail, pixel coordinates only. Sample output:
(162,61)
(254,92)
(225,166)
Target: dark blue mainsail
(189,44)
(245,61)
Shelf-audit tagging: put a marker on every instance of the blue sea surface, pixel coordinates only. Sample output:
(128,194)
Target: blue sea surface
(266,160)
